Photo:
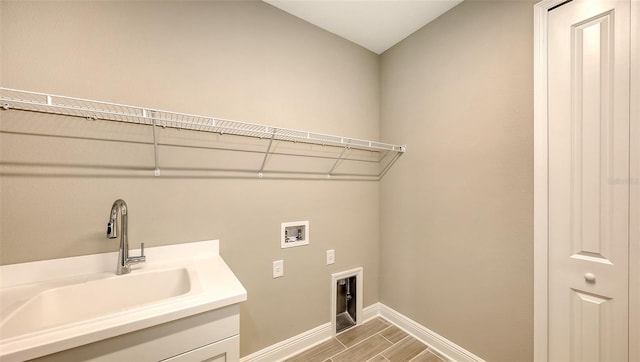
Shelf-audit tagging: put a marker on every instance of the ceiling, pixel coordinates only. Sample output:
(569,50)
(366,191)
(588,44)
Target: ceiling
(374,24)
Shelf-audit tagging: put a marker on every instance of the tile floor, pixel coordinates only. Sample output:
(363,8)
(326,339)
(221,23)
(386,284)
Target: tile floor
(375,341)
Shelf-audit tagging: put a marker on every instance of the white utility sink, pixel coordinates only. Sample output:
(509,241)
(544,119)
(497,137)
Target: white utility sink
(53,305)
(95,298)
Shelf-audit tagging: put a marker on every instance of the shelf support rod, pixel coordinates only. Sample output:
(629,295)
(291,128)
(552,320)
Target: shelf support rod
(146,113)
(388,166)
(267,152)
(340,158)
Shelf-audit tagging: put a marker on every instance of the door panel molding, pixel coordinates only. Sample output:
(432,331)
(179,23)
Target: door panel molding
(591,201)
(587,310)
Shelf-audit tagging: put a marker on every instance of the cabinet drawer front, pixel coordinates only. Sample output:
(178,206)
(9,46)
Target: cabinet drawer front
(226,350)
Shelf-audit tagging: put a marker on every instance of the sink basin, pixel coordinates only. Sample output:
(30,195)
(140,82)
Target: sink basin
(95,298)
(54,305)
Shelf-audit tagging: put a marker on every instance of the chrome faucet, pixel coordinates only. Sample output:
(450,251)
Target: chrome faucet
(124,261)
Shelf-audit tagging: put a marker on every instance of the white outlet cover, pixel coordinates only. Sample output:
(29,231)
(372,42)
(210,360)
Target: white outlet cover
(278,268)
(331,256)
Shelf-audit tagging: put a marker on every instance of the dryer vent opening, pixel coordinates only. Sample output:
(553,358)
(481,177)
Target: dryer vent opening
(346,301)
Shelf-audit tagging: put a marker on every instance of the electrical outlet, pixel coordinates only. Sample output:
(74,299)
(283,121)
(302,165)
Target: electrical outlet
(278,268)
(331,256)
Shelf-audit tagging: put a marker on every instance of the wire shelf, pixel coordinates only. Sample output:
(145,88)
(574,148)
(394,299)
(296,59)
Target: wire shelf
(97,110)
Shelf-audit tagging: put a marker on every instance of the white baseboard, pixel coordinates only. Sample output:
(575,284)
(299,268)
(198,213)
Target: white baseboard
(370,312)
(427,336)
(291,346)
(315,336)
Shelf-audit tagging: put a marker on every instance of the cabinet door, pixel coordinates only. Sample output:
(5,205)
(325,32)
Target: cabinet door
(226,350)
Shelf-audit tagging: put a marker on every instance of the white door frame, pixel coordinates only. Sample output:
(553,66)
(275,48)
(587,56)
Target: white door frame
(541,225)
(540,187)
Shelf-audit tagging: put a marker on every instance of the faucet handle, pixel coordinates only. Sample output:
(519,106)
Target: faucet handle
(137,259)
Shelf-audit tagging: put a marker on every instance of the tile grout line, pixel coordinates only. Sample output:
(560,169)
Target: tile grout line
(366,339)
(379,354)
(435,353)
(392,345)
(373,335)
(387,326)
(348,348)
(380,333)
(428,351)
(342,344)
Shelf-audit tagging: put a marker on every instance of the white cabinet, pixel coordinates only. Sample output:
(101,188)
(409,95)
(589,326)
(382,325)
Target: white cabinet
(208,336)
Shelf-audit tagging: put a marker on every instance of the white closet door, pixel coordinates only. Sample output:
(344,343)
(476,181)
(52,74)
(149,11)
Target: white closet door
(588,105)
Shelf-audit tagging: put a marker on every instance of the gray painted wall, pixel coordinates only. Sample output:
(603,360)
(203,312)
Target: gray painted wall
(457,212)
(242,60)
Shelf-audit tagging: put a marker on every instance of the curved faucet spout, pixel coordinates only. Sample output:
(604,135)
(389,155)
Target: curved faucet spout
(112,226)
(124,261)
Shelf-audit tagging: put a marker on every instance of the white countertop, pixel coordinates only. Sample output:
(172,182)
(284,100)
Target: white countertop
(213,286)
